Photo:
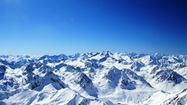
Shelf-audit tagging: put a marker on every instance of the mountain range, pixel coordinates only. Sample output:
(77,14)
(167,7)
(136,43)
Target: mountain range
(100,78)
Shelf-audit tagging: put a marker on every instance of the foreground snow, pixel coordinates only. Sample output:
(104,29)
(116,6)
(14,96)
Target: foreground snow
(94,79)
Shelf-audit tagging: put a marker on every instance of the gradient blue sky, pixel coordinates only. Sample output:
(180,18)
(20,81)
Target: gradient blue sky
(38,27)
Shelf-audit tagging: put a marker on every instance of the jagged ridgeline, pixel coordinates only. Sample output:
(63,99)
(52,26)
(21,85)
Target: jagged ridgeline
(103,78)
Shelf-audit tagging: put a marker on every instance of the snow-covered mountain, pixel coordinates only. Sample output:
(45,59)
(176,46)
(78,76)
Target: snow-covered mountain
(103,78)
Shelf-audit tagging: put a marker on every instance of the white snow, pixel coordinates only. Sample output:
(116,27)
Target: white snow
(110,79)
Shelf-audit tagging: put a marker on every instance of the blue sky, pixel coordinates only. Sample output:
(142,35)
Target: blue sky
(36,27)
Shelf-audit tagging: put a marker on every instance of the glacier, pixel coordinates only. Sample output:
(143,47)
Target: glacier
(95,78)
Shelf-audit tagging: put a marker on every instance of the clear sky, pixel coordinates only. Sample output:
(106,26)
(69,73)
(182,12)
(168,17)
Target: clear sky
(38,27)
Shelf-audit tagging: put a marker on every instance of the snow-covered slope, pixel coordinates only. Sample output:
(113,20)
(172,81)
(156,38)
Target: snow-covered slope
(103,78)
